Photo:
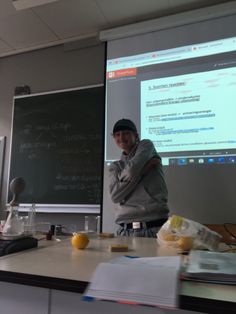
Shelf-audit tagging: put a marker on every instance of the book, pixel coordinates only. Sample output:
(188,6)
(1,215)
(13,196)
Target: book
(147,280)
(207,266)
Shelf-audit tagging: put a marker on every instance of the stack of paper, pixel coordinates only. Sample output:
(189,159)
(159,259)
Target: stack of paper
(214,267)
(151,281)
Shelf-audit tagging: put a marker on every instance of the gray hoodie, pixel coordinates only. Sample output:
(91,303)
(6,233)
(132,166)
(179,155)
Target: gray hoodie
(138,197)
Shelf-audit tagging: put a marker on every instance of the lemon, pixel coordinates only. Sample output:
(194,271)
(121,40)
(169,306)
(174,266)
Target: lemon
(79,241)
(185,243)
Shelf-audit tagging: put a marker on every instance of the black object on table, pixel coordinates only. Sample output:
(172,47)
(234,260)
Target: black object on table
(17,245)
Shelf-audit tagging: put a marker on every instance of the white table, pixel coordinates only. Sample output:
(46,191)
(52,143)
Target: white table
(55,274)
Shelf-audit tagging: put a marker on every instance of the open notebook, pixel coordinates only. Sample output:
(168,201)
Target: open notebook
(213,267)
(147,280)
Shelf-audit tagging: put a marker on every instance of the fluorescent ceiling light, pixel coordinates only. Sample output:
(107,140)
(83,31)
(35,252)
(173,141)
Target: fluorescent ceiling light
(26,4)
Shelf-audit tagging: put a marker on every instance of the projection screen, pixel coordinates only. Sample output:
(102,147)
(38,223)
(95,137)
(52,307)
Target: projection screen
(179,86)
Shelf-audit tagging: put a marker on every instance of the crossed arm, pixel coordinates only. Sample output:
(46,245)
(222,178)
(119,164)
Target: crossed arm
(124,178)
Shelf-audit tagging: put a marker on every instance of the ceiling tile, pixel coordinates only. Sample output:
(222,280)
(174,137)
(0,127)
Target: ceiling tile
(7,9)
(130,11)
(63,20)
(24,29)
(71,18)
(4,47)
(183,5)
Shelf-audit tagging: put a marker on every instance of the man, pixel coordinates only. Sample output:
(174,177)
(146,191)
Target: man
(137,184)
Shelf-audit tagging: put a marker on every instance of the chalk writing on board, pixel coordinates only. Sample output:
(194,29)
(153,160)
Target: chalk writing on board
(57,146)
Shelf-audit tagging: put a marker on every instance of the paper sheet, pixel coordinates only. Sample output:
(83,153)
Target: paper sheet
(151,281)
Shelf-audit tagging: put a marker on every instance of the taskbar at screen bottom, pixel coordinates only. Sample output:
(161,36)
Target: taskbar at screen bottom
(198,160)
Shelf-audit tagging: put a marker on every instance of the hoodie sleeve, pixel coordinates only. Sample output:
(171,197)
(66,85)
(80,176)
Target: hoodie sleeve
(125,176)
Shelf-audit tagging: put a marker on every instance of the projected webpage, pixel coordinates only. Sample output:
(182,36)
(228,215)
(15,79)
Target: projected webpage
(182,99)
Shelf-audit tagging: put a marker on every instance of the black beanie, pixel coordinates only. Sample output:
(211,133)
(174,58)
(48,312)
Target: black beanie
(124,124)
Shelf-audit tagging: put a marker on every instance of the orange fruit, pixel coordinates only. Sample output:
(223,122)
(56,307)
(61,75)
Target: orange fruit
(170,237)
(79,241)
(185,243)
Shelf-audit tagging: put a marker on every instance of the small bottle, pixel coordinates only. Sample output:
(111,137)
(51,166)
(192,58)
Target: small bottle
(52,229)
(98,227)
(86,223)
(49,235)
(32,220)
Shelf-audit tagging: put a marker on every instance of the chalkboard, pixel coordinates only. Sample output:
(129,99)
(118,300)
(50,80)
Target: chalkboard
(57,146)
(2,148)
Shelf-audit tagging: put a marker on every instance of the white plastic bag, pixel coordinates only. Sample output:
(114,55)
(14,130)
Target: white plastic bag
(186,234)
